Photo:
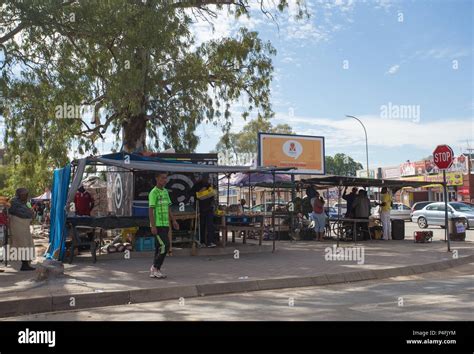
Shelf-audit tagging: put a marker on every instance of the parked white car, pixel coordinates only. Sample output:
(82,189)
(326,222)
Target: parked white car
(399,212)
(433,214)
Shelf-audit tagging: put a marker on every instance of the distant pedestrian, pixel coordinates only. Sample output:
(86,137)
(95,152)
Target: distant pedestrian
(206,210)
(21,216)
(83,202)
(385,207)
(349,198)
(242,206)
(361,210)
(318,216)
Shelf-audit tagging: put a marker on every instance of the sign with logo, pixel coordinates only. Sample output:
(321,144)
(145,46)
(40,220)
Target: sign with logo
(284,150)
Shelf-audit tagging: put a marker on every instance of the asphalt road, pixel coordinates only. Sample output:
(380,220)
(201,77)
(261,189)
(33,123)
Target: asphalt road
(447,295)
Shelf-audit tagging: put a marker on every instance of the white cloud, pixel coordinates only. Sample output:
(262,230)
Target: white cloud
(441,53)
(224,25)
(390,133)
(393,70)
(383,4)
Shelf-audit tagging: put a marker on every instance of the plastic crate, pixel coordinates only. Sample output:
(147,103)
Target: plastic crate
(140,208)
(237,220)
(144,244)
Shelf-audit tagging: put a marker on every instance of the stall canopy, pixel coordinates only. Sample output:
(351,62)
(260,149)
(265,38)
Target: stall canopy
(43,197)
(334,181)
(135,162)
(255,179)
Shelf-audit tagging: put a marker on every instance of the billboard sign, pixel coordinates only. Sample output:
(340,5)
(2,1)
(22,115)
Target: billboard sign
(285,150)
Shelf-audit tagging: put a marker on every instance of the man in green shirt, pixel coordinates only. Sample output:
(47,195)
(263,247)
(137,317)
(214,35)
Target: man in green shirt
(160,215)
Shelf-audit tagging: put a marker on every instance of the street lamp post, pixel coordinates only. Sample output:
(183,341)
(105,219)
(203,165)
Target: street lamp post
(366,142)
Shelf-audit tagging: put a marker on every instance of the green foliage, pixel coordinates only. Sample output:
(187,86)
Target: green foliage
(137,68)
(341,165)
(241,147)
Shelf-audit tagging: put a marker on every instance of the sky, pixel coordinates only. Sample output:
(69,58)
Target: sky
(370,59)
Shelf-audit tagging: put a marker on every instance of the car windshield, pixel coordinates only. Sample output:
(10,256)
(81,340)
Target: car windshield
(462,207)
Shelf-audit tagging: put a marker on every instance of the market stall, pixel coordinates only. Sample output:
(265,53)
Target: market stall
(347,226)
(63,195)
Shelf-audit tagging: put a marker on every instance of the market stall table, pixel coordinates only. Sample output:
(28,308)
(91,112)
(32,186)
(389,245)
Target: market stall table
(247,224)
(74,223)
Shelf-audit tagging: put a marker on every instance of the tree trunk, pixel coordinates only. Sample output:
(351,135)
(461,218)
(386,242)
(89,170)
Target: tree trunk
(134,133)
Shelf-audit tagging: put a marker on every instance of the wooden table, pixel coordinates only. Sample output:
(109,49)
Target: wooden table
(252,226)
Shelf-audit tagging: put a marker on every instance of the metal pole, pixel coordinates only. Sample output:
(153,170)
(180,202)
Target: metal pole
(293,197)
(273,212)
(339,188)
(228,189)
(366,144)
(250,192)
(446,210)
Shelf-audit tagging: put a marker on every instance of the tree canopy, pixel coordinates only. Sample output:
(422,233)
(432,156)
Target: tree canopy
(342,165)
(125,70)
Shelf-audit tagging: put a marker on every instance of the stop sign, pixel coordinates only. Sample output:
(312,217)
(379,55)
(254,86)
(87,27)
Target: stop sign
(443,157)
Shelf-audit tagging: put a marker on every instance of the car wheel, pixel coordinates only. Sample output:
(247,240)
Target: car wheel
(422,222)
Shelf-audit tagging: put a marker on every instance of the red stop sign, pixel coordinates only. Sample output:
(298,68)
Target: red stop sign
(443,157)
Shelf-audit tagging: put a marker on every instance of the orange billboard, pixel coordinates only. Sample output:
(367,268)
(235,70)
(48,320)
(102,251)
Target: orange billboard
(284,150)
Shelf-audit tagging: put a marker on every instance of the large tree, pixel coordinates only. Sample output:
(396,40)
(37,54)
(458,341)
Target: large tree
(137,66)
(135,63)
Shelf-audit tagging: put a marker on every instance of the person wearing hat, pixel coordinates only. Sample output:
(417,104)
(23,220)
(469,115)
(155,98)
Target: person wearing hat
(206,212)
(21,216)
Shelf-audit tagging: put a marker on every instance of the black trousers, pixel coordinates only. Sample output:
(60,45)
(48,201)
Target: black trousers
(206,222)
(162,246)
(363,228)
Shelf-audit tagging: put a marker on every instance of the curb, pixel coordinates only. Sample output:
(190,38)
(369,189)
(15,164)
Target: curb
(11,308)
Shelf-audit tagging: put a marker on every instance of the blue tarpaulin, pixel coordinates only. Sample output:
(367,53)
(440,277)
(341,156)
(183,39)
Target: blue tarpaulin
(59,193)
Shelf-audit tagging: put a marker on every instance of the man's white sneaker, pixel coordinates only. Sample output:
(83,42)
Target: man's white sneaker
(157,274)
(152,272)
(212,245)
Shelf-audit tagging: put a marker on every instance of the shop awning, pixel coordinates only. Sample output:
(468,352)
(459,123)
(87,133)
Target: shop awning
(332,181)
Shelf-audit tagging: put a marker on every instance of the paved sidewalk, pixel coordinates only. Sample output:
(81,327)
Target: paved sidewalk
(302,263)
